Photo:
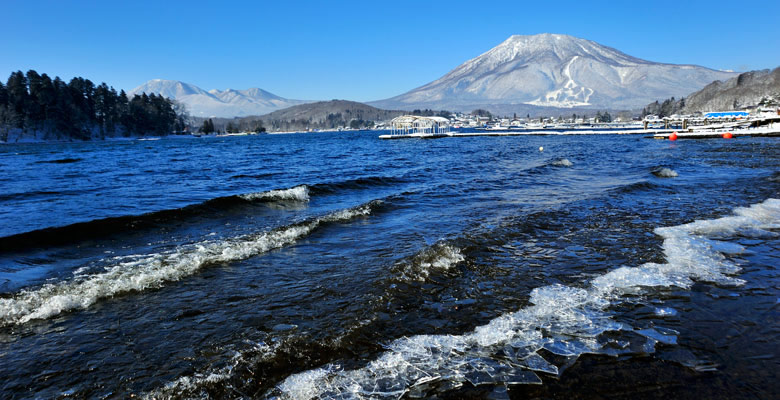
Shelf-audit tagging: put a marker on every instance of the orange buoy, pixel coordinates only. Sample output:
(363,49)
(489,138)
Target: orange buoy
(728,135)
(673,136)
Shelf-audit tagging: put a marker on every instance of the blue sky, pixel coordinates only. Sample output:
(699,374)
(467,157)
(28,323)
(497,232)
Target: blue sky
(356,50)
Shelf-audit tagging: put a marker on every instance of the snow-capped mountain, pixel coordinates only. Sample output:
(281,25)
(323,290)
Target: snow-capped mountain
(217,103)
(560,71)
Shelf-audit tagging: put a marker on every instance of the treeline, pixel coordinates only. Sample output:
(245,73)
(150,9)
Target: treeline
(281,122)
(431,113)
(231,126)
(665,108)
(336,120)
(34,103)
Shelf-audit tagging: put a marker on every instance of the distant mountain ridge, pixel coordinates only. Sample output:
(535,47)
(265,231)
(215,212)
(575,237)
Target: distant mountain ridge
(323,115)
(556,71)
(748,89)
(217,103)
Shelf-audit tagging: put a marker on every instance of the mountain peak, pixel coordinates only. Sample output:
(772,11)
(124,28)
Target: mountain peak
(555,70)
(215,102)
(542,37)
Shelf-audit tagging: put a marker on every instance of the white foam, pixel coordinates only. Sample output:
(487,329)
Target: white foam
(562,319)
(142,272)
(563,162)
(440,257)
(665,173)
(297,193)
(192,386)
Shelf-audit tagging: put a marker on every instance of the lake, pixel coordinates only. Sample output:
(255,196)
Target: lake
(337,265)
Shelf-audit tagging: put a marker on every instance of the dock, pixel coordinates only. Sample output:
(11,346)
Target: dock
(770,131)
(415,127)
(704,132)
(512,132)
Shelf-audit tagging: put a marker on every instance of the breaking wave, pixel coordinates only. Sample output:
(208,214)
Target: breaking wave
(143,272)
(195,386)
(564,320)
(440,256)
(297,193)
(664,172)
(101,228)
(563,162)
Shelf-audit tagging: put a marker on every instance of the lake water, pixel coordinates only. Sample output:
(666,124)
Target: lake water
(336,265)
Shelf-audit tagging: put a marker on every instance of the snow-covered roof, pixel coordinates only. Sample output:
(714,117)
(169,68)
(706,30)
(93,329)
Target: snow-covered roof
(407,119)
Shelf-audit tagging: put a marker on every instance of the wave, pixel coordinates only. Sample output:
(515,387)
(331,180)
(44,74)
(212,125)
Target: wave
(664,172)
(195,386)
(297,193)
(254,176)
(60,161)
(440,256)
(548,166)
(100,228)
(635,187)
(357,183)
(563,162)
(150,271)
(563,320)
(42,193)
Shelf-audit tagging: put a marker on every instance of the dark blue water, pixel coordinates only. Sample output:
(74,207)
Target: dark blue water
(338,265)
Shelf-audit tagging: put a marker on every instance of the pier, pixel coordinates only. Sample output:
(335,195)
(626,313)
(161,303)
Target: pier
(764,126)
(650,133)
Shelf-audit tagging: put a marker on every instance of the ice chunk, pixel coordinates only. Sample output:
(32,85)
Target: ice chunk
(565,320)
(568,348)
(520,377)
(477,378)
(726,247)
(535,362)
(665,311)
(500,392)
(658,336)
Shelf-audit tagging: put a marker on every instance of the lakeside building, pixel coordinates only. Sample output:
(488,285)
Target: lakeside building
(417,126)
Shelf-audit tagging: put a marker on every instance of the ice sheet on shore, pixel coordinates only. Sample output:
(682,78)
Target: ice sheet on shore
(564,320)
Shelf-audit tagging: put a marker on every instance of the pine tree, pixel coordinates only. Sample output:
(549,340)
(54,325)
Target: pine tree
(34,101)
(3,95)
(208,127)
(17,97)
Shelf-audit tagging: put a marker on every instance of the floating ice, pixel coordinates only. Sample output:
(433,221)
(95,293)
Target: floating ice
(561,319)
(142,272)
(535,362)
(658,336)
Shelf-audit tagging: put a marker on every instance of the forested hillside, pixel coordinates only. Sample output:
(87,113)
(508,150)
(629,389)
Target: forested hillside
(36,106)
(749,89)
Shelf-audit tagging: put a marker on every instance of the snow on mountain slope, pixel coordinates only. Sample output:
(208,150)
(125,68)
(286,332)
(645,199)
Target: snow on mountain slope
(556,71)
(217,103)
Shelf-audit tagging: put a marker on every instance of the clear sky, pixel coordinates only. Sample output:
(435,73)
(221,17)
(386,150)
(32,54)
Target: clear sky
(356,50)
